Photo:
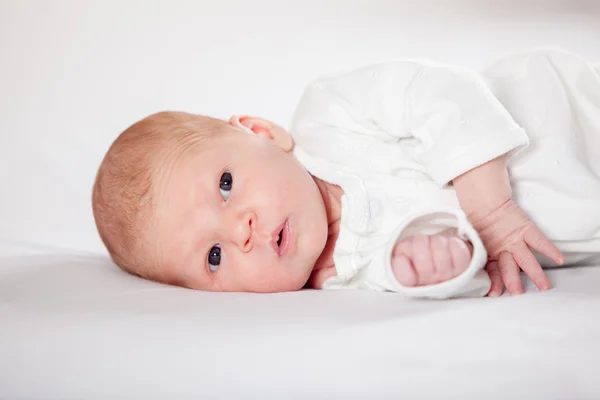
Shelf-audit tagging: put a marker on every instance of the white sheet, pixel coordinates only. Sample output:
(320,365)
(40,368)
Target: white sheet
(75,326)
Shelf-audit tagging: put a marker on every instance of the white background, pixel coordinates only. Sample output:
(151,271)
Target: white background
(74,74)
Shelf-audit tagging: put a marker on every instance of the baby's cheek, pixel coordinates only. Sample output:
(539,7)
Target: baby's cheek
(262,272)
(251,275)
(173,276)
(284,277)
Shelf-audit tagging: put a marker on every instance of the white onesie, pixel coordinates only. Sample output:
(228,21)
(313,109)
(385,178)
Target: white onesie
(394,135)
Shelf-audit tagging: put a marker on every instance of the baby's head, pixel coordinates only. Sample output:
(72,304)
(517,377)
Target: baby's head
(209,204)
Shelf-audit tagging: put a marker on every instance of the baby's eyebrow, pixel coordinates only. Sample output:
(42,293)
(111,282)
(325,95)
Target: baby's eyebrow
(208,196)
(200,254)
(195,261)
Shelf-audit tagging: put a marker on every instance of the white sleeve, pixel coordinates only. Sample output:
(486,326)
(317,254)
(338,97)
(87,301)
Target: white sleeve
(474,282)
(378,274)
(457,121)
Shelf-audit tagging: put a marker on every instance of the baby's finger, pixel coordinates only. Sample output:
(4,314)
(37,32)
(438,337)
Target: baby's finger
(460,254)
(403,247)
(404,271)
(422,259)
(441,257)
(528,263)
(509,270)
(537,240)
(493,271)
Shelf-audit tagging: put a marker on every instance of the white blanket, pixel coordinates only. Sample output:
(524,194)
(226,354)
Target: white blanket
(77,327)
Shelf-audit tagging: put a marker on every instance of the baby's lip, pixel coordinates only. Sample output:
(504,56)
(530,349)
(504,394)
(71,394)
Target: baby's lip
(284,229)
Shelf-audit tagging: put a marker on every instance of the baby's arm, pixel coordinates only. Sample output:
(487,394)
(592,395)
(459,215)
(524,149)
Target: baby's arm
(484,194)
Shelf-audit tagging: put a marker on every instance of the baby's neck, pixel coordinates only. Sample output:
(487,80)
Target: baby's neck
(332,198)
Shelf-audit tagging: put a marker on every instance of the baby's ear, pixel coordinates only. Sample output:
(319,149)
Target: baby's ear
(264,128)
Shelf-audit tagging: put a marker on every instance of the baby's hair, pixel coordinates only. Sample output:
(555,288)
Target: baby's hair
(121,197)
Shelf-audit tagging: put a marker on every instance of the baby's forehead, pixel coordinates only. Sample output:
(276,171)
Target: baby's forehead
(177,166)
(178,149)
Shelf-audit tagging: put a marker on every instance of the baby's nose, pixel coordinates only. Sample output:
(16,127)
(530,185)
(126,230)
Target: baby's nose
(242,230)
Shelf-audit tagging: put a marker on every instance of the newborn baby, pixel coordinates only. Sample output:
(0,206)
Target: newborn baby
(407,176)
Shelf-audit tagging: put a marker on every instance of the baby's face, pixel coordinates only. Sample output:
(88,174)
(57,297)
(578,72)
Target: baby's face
(239,214)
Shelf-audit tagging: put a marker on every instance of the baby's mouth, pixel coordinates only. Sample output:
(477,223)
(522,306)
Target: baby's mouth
(281,242)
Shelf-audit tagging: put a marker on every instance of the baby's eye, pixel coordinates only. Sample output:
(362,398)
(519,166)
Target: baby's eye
(214,258)
(225,184)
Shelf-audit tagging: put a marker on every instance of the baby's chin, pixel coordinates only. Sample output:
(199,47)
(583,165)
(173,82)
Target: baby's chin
(289,288)
(295,282)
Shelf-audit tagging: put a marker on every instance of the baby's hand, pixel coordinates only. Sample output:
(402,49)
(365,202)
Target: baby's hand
(507,234)
(427,260)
